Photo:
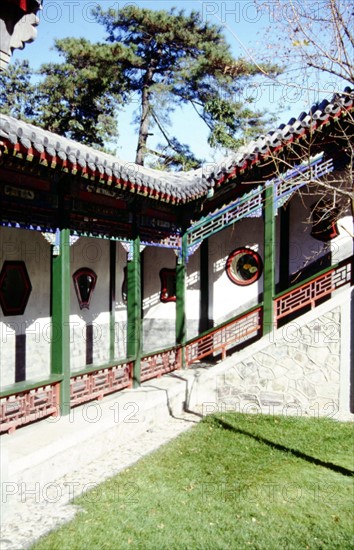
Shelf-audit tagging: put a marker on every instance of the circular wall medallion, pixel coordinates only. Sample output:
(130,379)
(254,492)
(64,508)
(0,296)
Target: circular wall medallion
(244,266)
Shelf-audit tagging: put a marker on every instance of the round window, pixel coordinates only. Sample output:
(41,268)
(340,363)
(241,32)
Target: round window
(244,266)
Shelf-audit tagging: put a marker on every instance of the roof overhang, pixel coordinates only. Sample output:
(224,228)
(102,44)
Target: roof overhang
(27,145)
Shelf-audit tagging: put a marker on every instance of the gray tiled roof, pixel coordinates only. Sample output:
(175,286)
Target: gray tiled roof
(177,187)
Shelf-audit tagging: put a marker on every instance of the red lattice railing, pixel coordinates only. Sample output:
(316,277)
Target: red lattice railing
(94,385)
(28,406)
(313,290)
(156,364)
(221,338)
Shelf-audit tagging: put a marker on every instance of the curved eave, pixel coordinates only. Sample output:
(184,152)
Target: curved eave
(54,163)
(273,152)
(31,145)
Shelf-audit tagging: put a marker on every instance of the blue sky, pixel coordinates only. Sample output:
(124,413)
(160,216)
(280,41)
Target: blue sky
(60,18)
(243,27)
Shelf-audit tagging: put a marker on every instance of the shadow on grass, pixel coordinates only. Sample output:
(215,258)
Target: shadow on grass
(299,454)
(169,405)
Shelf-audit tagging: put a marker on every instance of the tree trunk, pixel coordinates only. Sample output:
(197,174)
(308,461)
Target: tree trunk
(145,117)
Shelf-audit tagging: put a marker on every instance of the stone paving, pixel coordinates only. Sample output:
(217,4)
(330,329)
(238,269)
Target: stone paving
(43,509)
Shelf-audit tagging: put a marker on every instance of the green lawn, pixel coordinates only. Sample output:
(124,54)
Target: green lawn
(233,481)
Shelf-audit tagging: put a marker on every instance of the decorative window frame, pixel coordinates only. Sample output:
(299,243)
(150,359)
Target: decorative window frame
(20,266)
(237,254)
(168,285)
(84,303)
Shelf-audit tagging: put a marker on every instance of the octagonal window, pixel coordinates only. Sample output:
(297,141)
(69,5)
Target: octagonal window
(244,266)
(15,288)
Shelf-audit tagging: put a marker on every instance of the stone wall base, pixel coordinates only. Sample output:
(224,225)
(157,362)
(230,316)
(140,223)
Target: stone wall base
(303,368)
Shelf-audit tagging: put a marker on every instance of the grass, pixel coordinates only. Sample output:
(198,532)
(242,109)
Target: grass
(233,481)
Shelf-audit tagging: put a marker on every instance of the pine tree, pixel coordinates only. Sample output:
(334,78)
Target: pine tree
(170,58)
(18,94)
(80,97)
(165,59)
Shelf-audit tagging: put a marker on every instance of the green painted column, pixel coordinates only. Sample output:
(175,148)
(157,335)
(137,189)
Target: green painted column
(112,298)
(134,308)
(181,329)
(60,350)
(269,260)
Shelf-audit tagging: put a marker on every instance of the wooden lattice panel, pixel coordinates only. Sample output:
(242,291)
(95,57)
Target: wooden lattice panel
(312,291)
(300,176)
(28,406)
(250,204)
(237,331)
(247,205)
(342,275)
(156,364)
(94,385)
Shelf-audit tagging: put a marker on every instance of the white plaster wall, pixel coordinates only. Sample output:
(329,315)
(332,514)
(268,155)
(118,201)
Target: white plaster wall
(120,347)
(193,295)
(94,254)
(305,249)
(229,299)
(159,319)
(31,248)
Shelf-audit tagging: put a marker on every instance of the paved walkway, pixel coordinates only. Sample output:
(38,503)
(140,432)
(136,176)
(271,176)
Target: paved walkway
(36,514)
